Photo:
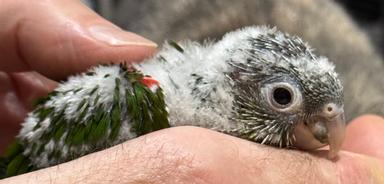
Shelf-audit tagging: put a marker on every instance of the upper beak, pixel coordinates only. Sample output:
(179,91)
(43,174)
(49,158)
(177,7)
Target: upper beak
(326,127)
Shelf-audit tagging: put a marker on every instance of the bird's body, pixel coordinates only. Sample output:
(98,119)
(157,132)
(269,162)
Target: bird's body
(256,83)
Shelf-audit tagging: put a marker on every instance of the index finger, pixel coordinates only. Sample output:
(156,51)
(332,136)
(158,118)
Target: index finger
(196,155)
(365,135)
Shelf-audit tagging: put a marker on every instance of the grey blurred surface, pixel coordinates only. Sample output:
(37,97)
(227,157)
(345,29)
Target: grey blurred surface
(322,23)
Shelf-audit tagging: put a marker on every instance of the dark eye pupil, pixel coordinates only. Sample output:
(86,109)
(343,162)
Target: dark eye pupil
(282,96)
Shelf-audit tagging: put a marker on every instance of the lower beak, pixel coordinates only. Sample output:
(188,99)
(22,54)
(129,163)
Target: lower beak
(319,131)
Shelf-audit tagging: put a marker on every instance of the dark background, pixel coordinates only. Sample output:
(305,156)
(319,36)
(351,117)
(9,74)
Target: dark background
(369,16)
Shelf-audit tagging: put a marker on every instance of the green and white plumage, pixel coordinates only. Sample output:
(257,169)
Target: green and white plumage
(229,86)
(100,108)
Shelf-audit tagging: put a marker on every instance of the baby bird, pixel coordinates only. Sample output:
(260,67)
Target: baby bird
(257,83)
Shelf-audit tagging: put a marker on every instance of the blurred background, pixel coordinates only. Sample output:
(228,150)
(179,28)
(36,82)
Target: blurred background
(368,14)
(349,32)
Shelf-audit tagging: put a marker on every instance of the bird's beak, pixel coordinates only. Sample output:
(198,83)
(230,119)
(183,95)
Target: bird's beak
(326,127)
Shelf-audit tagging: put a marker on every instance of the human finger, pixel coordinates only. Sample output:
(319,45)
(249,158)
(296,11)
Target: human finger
(196,155)
(365,135)
(59,38)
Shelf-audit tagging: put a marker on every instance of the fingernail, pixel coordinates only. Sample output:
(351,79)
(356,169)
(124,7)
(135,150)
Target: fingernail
(117,37)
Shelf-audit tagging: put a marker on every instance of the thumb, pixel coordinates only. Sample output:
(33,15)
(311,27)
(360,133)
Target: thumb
(58,38)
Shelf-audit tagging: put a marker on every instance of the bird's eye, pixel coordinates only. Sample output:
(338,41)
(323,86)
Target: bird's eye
(282,96)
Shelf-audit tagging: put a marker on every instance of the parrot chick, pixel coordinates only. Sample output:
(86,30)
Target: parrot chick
(256,83)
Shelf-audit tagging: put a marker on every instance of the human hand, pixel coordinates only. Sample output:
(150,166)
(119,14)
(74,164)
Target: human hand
(65,45)
(54,38)
(196,155)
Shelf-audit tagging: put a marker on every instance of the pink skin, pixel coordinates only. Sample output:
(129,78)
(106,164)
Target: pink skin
(48,40)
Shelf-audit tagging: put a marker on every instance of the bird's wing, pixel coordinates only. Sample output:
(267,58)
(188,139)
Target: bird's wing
(90,112)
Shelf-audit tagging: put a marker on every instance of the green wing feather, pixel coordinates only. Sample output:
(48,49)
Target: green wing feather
(145,110)
(14,162)
(176,46)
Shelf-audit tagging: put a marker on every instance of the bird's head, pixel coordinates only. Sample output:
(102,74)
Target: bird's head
(284,95)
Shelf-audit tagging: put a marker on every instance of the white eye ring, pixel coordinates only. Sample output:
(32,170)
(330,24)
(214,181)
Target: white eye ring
(282,96)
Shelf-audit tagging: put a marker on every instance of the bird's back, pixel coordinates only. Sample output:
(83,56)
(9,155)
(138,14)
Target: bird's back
(193,79)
